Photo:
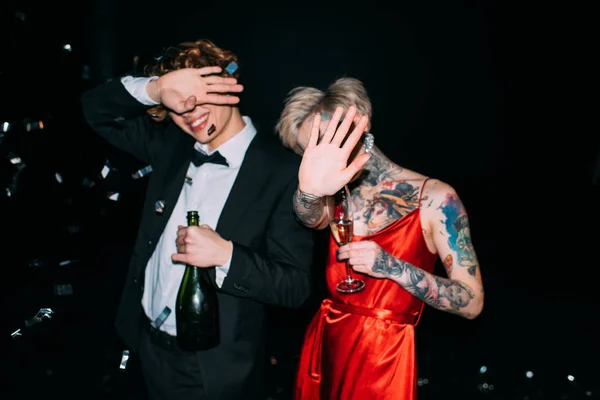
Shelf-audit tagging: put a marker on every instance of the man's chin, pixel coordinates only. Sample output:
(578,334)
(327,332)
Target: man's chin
(202,138)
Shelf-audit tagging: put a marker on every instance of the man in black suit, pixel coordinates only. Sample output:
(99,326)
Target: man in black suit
(256,251)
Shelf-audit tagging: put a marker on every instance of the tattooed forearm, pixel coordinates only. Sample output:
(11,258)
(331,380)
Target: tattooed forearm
(388,265)
(441,293)
(308,208)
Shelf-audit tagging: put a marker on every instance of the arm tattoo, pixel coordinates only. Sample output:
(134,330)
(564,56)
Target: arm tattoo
(459,240)
(448,264)
(443,294)
(308,208)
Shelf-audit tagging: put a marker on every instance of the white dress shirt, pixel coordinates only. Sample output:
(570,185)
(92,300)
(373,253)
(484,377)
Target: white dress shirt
(206,190)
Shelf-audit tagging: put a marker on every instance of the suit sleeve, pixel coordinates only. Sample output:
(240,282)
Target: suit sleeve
(113,113)
(281,276)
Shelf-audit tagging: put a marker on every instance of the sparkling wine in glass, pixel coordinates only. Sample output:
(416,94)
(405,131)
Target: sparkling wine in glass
(341,223)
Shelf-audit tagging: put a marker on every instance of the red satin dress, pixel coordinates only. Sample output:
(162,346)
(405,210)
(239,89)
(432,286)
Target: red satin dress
(361,346)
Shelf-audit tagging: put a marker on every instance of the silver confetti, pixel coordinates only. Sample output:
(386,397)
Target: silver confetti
(159,206)
(16,334)
(33,125)
(114,196)
(67,262)
(39,317)
(15,160)
(63,290)
(35,262)
(161,318)
(124,359)
(105,170)
(142,172)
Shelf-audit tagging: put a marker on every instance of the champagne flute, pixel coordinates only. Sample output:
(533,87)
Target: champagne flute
(341,223)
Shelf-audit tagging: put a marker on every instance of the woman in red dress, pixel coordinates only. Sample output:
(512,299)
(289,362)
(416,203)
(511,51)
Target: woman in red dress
(362,345)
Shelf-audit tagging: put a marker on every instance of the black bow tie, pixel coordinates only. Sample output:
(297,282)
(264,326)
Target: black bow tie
(200,158)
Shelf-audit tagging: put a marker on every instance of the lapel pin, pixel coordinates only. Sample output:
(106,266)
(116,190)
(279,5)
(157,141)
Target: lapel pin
(188,179)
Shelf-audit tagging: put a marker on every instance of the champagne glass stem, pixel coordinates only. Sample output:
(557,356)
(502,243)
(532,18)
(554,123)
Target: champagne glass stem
(348,272)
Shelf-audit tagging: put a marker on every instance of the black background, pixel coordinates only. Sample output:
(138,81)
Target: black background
(483,95)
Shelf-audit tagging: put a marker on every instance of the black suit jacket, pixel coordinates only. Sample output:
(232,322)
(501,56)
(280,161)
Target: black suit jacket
(272,252)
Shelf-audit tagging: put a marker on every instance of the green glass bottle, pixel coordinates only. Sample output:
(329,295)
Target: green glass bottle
(197,308)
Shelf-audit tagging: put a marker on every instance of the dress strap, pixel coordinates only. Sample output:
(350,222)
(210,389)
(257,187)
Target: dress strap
(422,190)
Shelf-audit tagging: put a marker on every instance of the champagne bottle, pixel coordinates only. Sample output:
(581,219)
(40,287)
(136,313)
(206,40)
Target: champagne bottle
(197,309)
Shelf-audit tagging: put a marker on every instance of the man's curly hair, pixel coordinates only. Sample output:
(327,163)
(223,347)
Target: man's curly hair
(198,54)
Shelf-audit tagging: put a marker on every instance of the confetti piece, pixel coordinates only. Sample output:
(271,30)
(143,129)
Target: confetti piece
(159,206)
(39,317)
(63,290)
(105,170)
(161,318)
(231,68)
(114,196)
(142,172)
(124,359)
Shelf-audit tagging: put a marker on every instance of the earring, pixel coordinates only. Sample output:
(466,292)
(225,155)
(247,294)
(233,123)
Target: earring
(369,142)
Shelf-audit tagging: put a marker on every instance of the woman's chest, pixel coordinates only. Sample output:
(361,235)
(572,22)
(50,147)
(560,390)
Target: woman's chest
(379,206)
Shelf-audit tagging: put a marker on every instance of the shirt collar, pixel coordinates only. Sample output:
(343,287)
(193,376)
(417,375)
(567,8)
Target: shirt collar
(235,148)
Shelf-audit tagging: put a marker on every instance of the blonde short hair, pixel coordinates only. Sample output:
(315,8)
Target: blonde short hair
(303,101)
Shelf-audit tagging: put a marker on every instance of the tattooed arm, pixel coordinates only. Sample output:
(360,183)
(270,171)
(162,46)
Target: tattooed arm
(462,292)
(310,210)
(449,295)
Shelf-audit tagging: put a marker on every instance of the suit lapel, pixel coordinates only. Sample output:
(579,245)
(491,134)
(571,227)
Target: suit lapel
(249,183)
